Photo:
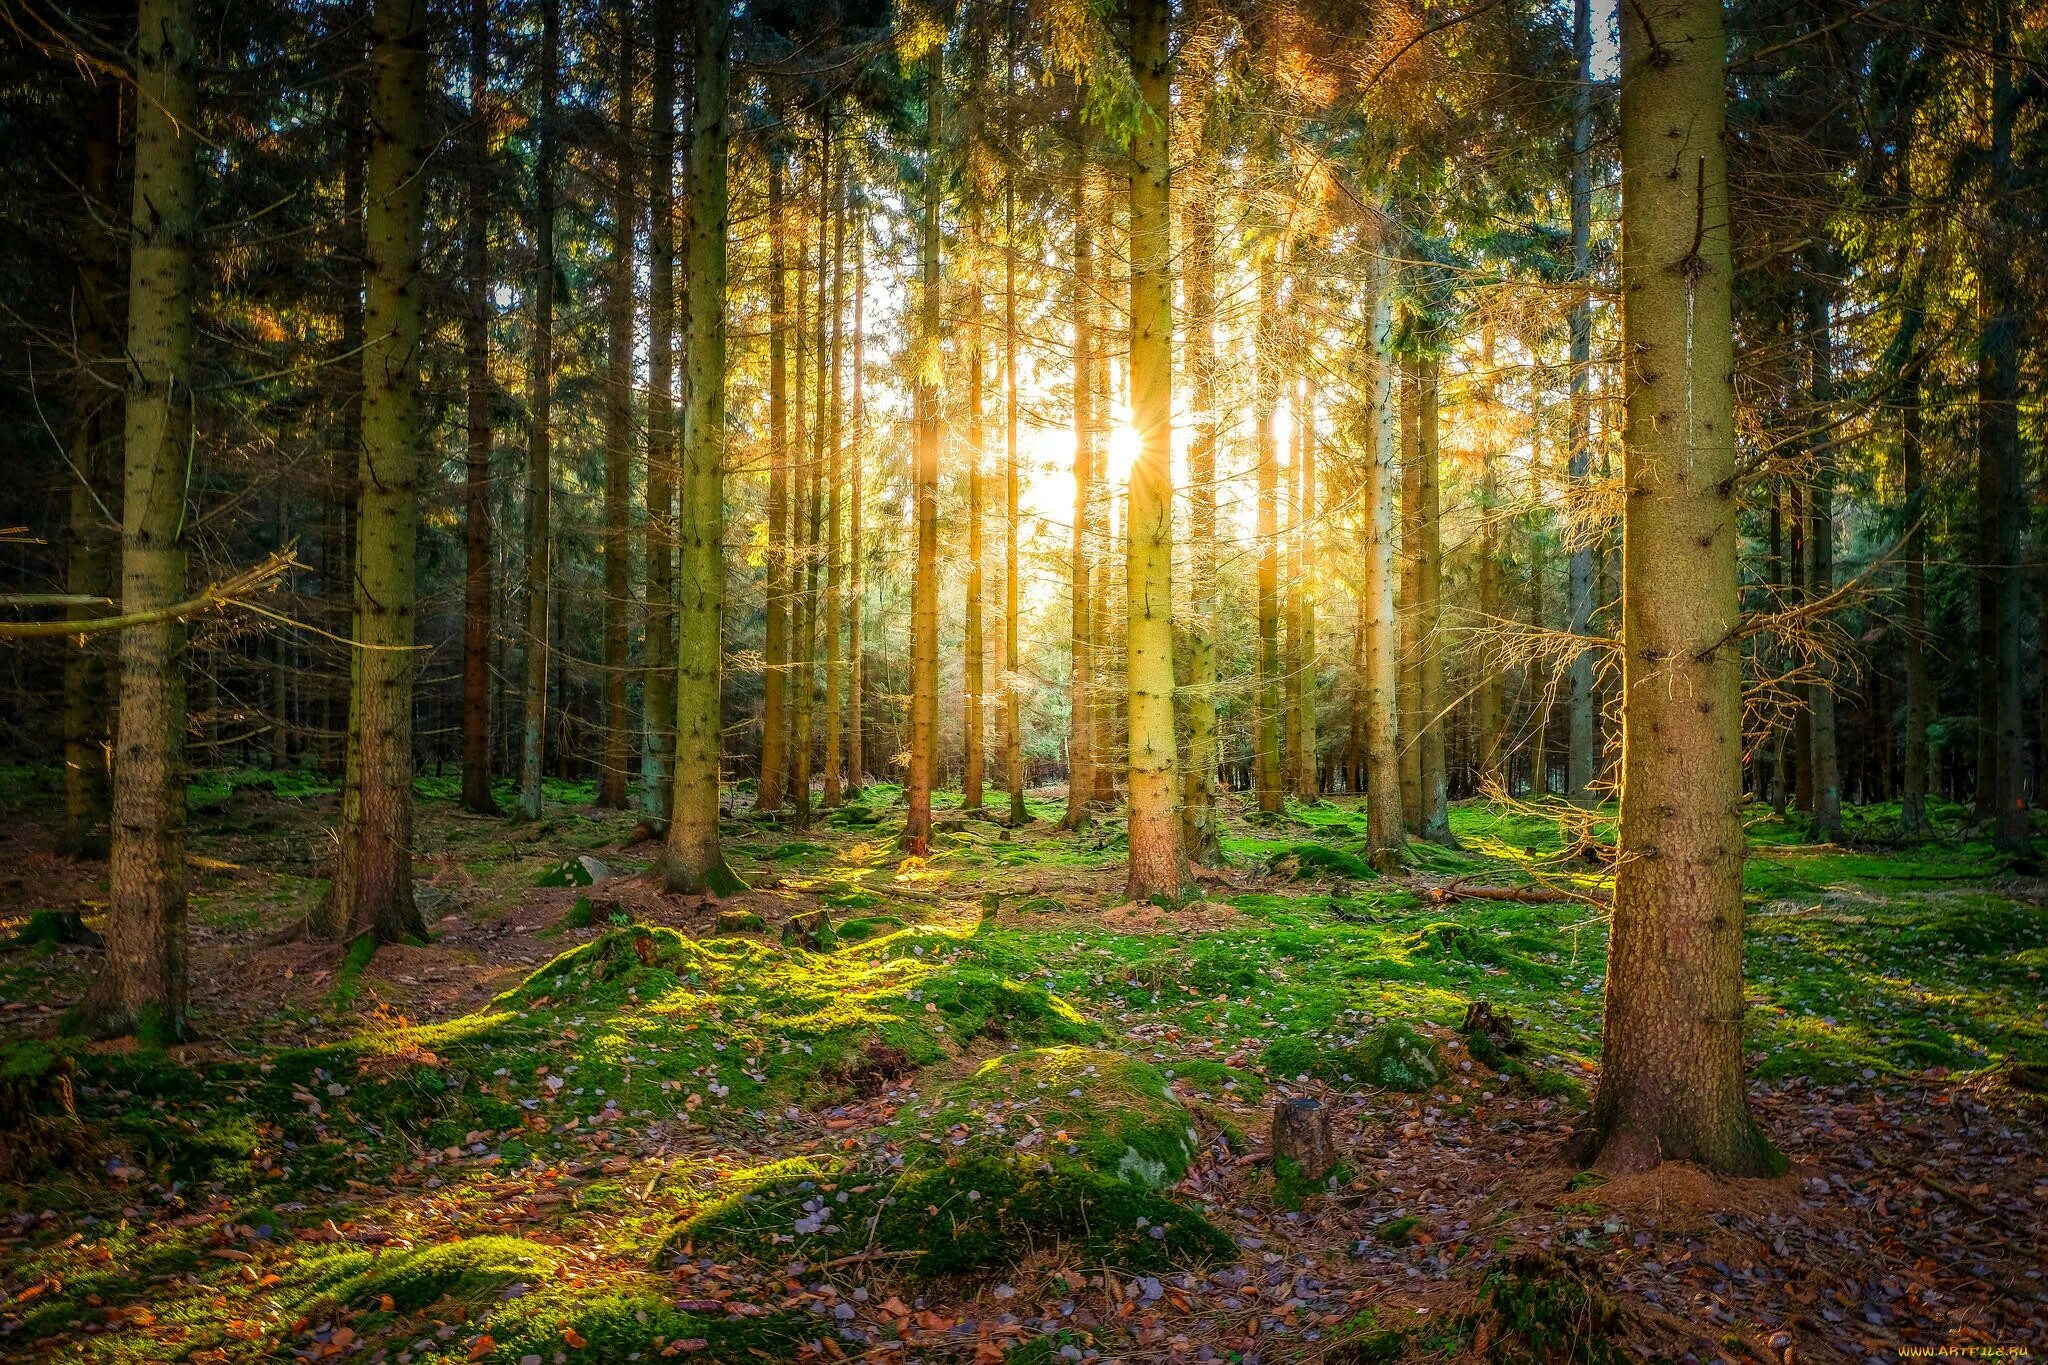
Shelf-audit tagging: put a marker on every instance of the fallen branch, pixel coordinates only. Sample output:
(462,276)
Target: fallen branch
(1520,895)
(222,594)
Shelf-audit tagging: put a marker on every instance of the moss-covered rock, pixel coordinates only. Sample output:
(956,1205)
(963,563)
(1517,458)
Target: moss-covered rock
(1113,1113)
(631,1324)
(1392,1056)
(1318,862)
(965,1214)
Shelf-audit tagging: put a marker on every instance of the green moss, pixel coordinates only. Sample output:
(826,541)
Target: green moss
(471,1272)
(1318,862)
(869,926)
(1392,1056)
(1544,1310)
(639,1323)
(1116,1115)
(968,1214)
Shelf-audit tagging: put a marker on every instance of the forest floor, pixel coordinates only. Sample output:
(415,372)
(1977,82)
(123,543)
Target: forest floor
(994,1111)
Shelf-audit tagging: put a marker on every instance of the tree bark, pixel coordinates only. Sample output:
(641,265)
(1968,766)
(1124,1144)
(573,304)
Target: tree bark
(769,793)
(1009,663)
(539,550)
(1919,682)
(803,546)
(1385,834)
(1307,781)
(141,987)
(1265,401)
(924,589)
(1582,743)
(1408,604)
(619,437)
(1429,575)
(372,891)
(1671,1085)
(1158,866)
(835,474)
(693,859)
(1490,701)
(973,645)
(657,686)
(1199,819)
(1080,699)
(856,587)
(478,551)
(1820,541)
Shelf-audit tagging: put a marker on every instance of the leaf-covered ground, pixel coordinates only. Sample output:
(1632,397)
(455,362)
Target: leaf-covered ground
(990,1110)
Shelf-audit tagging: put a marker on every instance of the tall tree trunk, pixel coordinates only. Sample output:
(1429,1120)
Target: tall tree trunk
(1827,772)
(1490,701)
(372,891)
(856,585)
(338,543)
(1292,654)
(1802,719)
(1582,743)
(539,555)
(803,543)
(657,687)
(835,477)
(973,646)
(1535,680)
(1435,777)
(2001,781)
(1671,1054)
(924,486)
(89,555)
(1385,833)
(1199,816)
(1919,683)
(1080,699)
(619,437)
(693,860)
(1265,400)
(1159,867)
(141,988)
(769,793)
(1409,683)
(1009,664)
(1307,780)
(478,551)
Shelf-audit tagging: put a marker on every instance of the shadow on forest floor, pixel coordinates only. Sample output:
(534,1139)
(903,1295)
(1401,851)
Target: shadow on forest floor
(982,1108)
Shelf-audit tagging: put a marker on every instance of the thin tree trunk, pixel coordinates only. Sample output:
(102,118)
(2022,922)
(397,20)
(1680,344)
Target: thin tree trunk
(1827,774)
(1158,865)
(1582,743)
(1266,717)
(1080,728)
(1385,834)
(1199,821)
(477,797)
(619,437)
(540,398)
(1409,685)
(856,587)
(657,687)
(1490,702)
(769,794)
(1435,824)
(835,475)
(338,550)
(1307,779)
(803,566)
(141,988)
(1919,682)
(89,556)
(973,646)
(1009,664)
(372,891)
(1671,1055)
(693,860)
(924,486)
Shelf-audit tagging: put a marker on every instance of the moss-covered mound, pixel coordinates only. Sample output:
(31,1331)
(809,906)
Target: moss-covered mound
(1392,1056)
(965,1214)
(471,1272)
(627,1325)
(1113,1113)
(1318,862)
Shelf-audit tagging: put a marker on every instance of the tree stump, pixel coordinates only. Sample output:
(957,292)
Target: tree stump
(809,929)
(1301,1134)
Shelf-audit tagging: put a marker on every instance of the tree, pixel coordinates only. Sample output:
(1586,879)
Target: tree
(477,797)
(657,689)
(835,478)
(692,859)
(539,547)
(1265,403)
(1158,866)
(924,483)
(1671,1046)
(769,794)
(372,891)
(1385,833)
(1199,817)
(1432,772)
(1307,660)
(141,988)
(1080,699)
(1582,742)
(620,440)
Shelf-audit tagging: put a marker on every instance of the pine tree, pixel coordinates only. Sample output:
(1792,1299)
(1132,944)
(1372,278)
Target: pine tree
(477,797)
(657,688)
(620,440)
(924,484)
(539,545)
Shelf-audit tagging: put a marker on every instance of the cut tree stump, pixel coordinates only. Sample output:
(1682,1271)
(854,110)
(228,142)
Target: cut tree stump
(1301,1134)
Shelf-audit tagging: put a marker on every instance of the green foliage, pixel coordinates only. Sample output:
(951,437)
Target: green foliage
(471,1272)
(626,1325)
(1318,862)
